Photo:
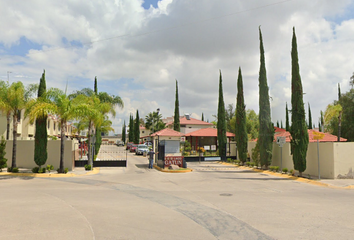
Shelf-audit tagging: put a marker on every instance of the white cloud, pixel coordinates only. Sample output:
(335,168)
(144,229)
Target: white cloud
(137,54)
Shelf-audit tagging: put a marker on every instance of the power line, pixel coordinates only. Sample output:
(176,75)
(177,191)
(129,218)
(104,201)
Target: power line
(166,28)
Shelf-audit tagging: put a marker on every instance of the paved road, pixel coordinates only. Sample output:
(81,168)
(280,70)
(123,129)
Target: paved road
(212,202)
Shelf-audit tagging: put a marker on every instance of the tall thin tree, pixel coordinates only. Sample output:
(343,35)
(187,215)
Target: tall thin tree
(98,137)
(310,117)
(123,133)
(299,135)
(287,125)
(176,122)
(202,116)
(240,128)
(137,128)
(221,124)
(131,129)
(41,135)
(266,129)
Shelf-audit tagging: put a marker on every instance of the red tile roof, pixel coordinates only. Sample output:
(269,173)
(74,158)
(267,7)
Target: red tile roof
(183,121)
(276,129)
(207,132)
(327,136)
(168,133)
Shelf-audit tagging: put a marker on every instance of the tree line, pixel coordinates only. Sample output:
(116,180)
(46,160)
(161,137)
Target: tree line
(89,108)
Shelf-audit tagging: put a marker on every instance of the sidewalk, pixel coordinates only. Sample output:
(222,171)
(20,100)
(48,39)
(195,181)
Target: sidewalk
(330,183)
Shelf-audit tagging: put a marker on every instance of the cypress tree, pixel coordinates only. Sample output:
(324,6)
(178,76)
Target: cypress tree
(131,129)
(278,126)
(266,129)
(123,133)
(339,94)
(137,128)
(281,124)
(221,124)
(310,117)
(298,130)
(202,116)
(240,128)
(95,86)
(41,135)
(287,125)
(176,123)
(98,140)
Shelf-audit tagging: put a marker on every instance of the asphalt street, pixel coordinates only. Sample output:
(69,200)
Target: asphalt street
(213,202)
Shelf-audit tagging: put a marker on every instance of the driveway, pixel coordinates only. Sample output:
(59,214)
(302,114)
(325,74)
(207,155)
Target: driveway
(213,202)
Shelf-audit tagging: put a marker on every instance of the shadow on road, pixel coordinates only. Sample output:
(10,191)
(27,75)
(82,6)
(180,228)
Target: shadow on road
(142,165)
(258,179)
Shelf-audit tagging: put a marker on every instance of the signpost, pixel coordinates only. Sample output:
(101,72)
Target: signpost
(281,141)
(318,136)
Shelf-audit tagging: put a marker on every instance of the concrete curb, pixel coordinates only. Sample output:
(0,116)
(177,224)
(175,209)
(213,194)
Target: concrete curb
(49,175)
(172,171)
(299,179)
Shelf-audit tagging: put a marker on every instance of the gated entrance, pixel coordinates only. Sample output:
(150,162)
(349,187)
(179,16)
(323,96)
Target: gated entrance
(108,156)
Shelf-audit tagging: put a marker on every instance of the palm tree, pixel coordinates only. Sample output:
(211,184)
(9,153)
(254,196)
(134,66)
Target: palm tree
(4,86)
(153,122)
(57,103)
(13,100)
(113,101)
(95,113)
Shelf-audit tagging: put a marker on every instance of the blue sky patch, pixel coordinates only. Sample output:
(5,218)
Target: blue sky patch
(147,3)
(347,15)
(20,49)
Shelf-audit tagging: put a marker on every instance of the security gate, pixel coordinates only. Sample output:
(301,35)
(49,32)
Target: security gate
(108,156)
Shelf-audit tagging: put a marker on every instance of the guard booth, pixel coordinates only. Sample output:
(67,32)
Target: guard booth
(167,143)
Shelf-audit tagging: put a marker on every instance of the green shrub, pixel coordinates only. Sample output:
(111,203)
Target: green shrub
(276,168)
(87,167)
(292,171)
(229,160)
(35,169)
(50,167)
(41,170)
(271,168)
(237,161)
(3,160)
(252,164)
(255,154)
(247,163)
(285,170)
(66,170)
(14,170)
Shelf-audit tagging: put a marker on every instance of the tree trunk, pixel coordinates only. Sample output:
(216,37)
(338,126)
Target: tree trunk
(8,126)
(62,142)
(89,145)
(339,125)
(14,141)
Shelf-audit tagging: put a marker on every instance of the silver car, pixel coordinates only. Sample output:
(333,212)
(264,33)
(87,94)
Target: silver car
(141,149)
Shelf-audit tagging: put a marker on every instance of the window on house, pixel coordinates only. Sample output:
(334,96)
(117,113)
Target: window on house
(48,124)
(54,126)
(182,125)
(142,131)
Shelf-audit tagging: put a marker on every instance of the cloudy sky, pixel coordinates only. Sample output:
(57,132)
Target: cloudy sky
(137,49)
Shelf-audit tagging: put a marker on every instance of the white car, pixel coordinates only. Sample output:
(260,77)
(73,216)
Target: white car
(141,149)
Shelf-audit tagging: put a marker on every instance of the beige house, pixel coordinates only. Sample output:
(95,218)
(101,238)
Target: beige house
(26,131)
(188,124)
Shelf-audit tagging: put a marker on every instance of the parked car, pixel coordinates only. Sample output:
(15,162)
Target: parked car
(119,143)
(133,147)
(129,144)
(141,149)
